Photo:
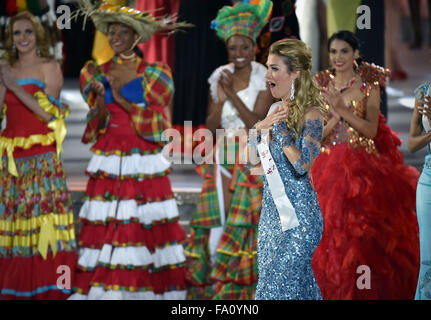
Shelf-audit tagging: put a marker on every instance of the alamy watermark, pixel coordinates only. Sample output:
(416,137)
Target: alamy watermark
(64,280)
(363,20)
(231,147)
(63,20)
(364,280)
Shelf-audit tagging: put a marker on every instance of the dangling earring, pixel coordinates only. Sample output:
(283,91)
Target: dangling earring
(38,51)
(13,48)
(355,64)
(292,91)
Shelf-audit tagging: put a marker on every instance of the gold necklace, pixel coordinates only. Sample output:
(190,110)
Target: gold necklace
(347,86)
(123,56)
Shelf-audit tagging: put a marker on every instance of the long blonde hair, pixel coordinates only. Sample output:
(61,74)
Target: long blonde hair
(297,57)
(41,39)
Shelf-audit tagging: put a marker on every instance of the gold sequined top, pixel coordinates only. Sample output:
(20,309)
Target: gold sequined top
(371,75)
(344,133)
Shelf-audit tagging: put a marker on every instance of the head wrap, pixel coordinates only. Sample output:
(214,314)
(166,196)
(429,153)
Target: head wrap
(246,18)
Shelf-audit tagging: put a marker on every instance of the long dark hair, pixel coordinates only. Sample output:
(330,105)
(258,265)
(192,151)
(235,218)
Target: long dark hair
(348,37)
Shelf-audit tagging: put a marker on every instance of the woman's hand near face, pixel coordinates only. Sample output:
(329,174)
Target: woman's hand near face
(274,117)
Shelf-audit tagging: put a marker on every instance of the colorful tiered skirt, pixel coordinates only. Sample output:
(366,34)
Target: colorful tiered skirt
(37,236)
(130,241)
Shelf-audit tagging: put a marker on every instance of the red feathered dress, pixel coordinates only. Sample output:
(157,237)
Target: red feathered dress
(370,244)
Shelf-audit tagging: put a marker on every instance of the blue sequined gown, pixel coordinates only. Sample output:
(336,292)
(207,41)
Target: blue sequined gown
(284,258)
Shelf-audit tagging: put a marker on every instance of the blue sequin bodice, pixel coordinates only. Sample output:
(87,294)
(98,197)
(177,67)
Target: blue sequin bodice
(284,258)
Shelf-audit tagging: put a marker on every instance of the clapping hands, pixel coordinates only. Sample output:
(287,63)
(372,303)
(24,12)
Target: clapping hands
(97,87)
(7,77)
(225,83)
(424,107)
(333,97)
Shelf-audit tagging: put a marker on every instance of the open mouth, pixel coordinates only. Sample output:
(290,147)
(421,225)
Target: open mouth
(240,59)
(271,84)
(24,44)
(339,64)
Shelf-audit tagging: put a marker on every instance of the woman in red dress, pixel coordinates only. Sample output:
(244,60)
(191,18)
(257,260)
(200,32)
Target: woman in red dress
(370,244)
(37,236)
(130,241)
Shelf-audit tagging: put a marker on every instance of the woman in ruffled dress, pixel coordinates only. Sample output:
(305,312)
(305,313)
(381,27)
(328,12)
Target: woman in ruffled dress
(420,137)
(37,236)
(131,240)
(221,250)
(370,245)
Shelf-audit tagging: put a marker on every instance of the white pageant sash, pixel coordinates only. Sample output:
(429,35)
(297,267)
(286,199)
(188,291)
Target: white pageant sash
(285,209)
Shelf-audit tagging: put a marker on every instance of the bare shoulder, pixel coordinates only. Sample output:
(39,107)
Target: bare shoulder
(53,77)
(313,114)
(51,67)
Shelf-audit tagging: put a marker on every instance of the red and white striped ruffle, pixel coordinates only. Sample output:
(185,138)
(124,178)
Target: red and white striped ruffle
(148,213)
(134,164)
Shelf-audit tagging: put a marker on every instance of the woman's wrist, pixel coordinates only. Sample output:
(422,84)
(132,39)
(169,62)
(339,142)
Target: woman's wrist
(231,95)
(117,96)
(256,126)
(14,87)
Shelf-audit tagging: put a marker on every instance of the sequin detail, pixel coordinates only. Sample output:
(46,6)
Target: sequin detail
(425,281)
(284,258)
(343,132)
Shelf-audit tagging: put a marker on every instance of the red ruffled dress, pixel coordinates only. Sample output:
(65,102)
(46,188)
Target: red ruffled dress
(37,235)
(370,244)
(130,241)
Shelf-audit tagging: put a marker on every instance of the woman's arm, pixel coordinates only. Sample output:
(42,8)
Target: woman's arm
(53,77)
(366,127)
(2,95)
(332,122)
(417,140)
(302,159)
(213,121)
